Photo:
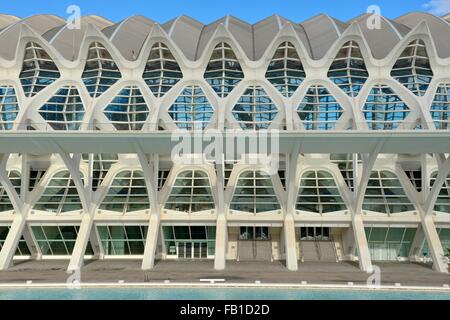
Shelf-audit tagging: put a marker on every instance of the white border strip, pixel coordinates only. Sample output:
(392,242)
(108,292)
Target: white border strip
(163,285)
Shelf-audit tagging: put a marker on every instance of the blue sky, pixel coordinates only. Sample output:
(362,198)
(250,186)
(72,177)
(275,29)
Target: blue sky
(209,10)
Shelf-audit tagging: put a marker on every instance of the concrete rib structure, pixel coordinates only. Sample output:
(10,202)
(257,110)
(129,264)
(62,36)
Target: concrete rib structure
(361,116)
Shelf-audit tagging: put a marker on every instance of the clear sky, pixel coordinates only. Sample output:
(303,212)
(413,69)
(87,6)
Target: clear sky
(207,11)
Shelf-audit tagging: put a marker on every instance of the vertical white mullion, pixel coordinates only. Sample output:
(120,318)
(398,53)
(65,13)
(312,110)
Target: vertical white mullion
(25,177)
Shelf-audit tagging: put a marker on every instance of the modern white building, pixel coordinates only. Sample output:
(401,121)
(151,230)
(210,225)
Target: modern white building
(361,115)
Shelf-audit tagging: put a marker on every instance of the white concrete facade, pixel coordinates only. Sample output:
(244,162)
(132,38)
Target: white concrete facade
(156,175)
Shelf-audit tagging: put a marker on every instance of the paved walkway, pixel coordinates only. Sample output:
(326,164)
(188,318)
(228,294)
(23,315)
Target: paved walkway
(54,271)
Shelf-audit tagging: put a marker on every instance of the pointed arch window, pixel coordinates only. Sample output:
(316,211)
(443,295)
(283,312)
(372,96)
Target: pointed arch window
(348,70)
(319,193)
(38,70)
(385,194)
(285,71)
(60,195)
(345,163)
(384,110)
(255,110)
(319,110)
(191,192)
(162,71)
(65,110)
(9,107)
(443,200)
(127,193)
(223,72)
(191,110)
(128,110)
(5,202)
(100,71)
(254,193)
(413,68)
(101,164)
(440,108)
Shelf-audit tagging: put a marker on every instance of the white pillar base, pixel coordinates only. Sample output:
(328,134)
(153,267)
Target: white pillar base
(365,262)
(290,243)
(77,258)
(221,243)
(348,244)
(148,262)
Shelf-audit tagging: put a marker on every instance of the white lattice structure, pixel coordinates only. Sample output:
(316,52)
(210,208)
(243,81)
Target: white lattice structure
(86,119)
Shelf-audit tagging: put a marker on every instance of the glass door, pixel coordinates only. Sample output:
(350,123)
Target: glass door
(197,250)
(314,233)
(181,249)
(189,250)
(254,233)
(189,242)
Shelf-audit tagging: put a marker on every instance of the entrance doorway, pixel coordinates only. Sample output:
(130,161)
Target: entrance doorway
(254,244)
(192,250)
(316,244)
(314,233)
(189,242)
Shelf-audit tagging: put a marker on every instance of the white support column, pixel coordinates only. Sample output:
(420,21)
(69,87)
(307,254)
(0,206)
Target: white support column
(150,170)
(87,220)
(221,243)
(90,178)
(12,241)
(25,176)
(77,258)
(151,242)
(290,242)
(221,223)
(365,262)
